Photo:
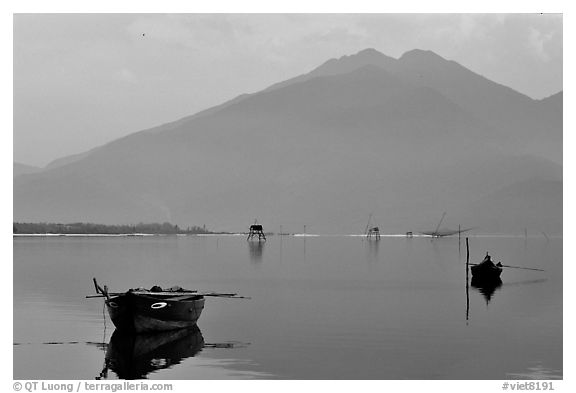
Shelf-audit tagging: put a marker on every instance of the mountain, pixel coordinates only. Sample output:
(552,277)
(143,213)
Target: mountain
(521,118)
(402,138)
(533,203)
(343,65)
(553,102)
(23,169)
(68,159)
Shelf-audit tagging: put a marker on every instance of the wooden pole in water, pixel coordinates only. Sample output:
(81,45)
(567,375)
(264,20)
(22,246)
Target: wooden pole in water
(368,225)
(440,223)
(467,254)
(459,233)
(467,285)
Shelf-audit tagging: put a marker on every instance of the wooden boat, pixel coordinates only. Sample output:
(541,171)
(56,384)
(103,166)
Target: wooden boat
(486,270)
(149,311)
(154,310)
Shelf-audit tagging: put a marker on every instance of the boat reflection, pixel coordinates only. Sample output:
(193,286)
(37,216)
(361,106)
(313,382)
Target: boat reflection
(134,356)
(486,287)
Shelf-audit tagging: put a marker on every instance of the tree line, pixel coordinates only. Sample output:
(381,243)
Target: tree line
(90,228)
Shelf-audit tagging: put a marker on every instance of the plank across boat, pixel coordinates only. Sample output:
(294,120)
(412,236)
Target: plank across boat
(146,311)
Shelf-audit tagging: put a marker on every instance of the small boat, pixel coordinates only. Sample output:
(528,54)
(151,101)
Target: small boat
(486,270)
(141,310)
(154,310)
(146,311)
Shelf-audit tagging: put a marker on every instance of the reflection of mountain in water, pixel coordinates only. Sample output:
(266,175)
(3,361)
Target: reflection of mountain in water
(486,287)
(133,356)
(256,251)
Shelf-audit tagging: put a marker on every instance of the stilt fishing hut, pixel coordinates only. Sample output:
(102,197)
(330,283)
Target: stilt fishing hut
(373,233)
(256,230)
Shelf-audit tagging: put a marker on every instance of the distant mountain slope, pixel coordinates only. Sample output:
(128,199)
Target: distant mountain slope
(365,133)
(534,204)
(554,102)
(68,159)
(23,169)
(550,109)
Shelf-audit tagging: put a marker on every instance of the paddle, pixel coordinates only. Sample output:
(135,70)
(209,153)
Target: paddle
(516,267)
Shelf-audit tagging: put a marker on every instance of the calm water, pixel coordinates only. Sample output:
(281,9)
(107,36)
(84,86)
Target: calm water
(320,308)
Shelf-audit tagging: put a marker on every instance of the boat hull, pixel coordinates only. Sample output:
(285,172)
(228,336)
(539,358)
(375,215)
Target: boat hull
(149,313)
(486,272)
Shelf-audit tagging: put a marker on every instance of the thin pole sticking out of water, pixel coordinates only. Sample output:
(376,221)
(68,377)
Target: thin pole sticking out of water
(467,285)
(104,319)
(104,372)
(459,240)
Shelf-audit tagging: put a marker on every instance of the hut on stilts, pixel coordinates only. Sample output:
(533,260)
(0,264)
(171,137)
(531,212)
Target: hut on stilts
(372,233)
(256,230)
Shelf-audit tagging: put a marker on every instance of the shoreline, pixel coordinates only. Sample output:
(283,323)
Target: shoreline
(296,235)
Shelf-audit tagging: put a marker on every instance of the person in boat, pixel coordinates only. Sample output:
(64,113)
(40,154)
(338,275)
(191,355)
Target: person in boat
(488,260)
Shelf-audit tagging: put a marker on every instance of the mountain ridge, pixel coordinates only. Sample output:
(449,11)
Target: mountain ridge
(23,169)
(322,149)
(334,66)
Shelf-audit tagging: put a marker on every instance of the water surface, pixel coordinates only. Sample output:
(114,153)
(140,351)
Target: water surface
(320,308)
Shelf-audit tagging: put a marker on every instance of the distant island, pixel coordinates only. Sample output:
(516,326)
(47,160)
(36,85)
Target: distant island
(101,229)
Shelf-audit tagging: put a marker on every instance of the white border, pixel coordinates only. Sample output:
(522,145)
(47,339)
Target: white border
(299,6)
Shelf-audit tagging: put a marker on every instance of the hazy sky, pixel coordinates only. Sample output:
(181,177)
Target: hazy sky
(81,80)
